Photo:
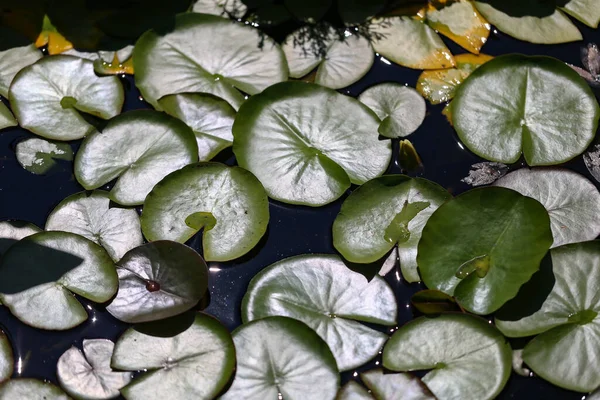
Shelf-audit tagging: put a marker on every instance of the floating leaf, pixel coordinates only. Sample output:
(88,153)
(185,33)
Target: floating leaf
(87,374)
(410,43)
(115,62)
(518,365)
(586,11)
(210,117)
(431,302)
(353,391)
(6,117)
(48,96)
(224,8)
(468,357)
(12,231)
(572,201)
(37,155)
(40,272)
(409,159)
(50,37)
(91,216)
(568,322)
(590,57)
(12,61)
(517,104)
(401,109)
(279,357)
(383,213)
(30,389)
(228,203)
(6,358)
(484,173)
(158,280)
(322,292)
(481,246)
(140,148)
(386,386)
(307,143)
(196,363)
(209,54)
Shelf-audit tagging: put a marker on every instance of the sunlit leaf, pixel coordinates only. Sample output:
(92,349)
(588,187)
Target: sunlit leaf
(224,8)
(6,358)
(12,61)
(353,391)
(12,231)
(518,365)
(386,386)
(586,11)
(38,155)
(30,389)
(6,117)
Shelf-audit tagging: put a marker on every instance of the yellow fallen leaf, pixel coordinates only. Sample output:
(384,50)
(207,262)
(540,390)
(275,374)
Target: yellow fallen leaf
(56,42)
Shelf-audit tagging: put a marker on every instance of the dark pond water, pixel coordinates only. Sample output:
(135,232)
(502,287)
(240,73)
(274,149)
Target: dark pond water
(292,230)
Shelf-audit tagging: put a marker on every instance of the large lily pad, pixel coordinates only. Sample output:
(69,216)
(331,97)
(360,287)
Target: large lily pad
(279,357)
(383,213)
(386,386)
(37,155)
(322,292)
(481,246)
(12,61)
(572,201)
(158,280)
(468,357)
(30,389)
(307,143)
(568,323)
(90,215)
(39,273)
(6,358)
(12,231)
(228,203)
(48,96)
(196,363)
(6,118)
(87,375)
(210,54)
(517,104)
(140,148)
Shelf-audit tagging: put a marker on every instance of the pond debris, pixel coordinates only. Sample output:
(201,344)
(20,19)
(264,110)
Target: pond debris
(592,161)
(590,58)
(484,173)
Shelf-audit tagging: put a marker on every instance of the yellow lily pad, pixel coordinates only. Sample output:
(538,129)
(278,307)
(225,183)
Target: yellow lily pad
(56,42)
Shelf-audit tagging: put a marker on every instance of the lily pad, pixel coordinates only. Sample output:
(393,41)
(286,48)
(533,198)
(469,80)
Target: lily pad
(467,356)
(586,11)
(568,321)
(140,148)
(90,215)
(48,96)
(279,357)
(12,61)
(386,386)
(12,231)
(342,62)
(228,203)
(481,246)
(6,118)
(353,391)
(30,389)
(210,117)
(401,109)
(572,201)
(37,155)
(6,358)
(411,43)
(307,143)
(224,8)
(517,104)
(433,302)
(158,280)
(196,363)
(209,54)
(39,273)
(322,292)
(383,213)
(88,375)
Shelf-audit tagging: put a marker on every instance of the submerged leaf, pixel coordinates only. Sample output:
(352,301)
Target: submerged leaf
(432,302)
(485,173)
(37,155)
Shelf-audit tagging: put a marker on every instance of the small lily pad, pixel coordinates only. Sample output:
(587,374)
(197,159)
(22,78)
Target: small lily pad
(90,215)
(37,155)
(196,363)
(6,358)
(12,61)
(6,118)
(30,389)
(12,231)
(140,148)
(296,287)
(88,375)
(48,96)
(386,386)
(401,109)
(467,356)
(279,357)
(224,8)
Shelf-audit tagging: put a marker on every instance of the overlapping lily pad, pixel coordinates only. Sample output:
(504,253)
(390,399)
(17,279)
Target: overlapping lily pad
(307,143)
(12,61)
(37,155)
(322,292)
(12,231)
(30,389)
(139,148)
(384,386)
(6,118)
(6,358)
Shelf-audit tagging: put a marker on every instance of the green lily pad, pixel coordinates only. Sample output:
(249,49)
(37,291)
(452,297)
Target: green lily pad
(37,155)
(383,213)
(322,292)
(343,61)
(401,109)
(307,143)
(517,104)
(586,11)
(48,96)
(6,118)
(12,61)
(30,389)
(386,386)
(568,321)
(209,54)
(12,231)
(353,391)
(234,8)
(228,203)
(158,280)
(196,363)
(433,302)
(481,246)
(38,274)
(87,375)
(279,357)
(6,358)
(210,117)
(140,148)
(572,201)
(90,215)
(468,357)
